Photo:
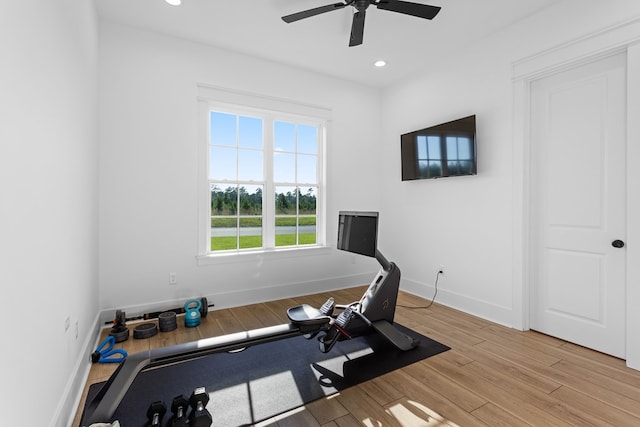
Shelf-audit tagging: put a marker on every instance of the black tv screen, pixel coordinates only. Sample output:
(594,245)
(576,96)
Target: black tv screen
(358,232)
(447,149)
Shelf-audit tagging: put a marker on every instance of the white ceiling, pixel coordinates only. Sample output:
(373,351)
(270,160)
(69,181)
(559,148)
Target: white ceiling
(320,43)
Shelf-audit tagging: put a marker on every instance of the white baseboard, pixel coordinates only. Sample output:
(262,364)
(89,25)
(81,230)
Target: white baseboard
(483,309)
(235,299)
(247,296)
(72,395)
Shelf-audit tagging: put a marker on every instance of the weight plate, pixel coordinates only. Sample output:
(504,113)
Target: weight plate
(120,334)
(145,330)
(168,328)
(205,307)
(167,321)
(167,316)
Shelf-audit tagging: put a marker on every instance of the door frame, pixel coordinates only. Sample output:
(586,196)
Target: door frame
(622,38)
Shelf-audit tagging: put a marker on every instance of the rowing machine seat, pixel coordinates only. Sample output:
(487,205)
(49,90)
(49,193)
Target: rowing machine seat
(306,316)
(308,319)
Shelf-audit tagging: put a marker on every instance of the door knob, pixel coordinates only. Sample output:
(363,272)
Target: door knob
(617,244)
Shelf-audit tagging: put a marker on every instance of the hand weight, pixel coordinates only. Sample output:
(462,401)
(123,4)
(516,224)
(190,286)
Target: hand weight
(192,313)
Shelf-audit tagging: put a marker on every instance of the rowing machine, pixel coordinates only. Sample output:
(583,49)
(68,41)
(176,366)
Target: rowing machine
(373,313)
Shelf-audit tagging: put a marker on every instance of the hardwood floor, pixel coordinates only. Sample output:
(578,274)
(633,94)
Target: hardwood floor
(492,376)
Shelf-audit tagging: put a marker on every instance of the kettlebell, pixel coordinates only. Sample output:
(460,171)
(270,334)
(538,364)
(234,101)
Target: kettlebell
(192,313)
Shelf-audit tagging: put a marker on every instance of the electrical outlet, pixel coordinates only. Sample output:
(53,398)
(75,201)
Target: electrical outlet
(173,279)
(441,271)
(67,323)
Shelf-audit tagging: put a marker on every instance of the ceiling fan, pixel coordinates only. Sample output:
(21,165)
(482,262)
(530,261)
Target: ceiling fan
(357,27)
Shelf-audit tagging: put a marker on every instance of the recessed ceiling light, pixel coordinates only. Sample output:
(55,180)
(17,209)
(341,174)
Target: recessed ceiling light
(380,63)
(174,2)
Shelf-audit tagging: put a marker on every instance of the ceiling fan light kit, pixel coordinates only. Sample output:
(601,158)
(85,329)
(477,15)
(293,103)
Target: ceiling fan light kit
(418,10)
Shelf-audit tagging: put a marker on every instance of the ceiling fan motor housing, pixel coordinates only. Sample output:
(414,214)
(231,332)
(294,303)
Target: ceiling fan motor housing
(362,5)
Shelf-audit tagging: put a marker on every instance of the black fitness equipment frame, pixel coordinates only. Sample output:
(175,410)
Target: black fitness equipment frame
(373,313)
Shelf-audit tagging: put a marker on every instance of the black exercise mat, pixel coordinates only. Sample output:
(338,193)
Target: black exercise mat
(267,379)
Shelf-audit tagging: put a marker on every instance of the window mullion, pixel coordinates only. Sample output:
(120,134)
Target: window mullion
(268,196)
(320,179)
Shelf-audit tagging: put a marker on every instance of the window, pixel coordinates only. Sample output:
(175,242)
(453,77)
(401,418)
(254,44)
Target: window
(295,171)
(236,181)
(264,174)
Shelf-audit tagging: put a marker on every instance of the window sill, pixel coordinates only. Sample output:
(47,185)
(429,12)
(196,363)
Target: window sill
(263,255)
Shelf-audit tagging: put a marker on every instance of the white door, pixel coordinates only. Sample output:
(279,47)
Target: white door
(578,128)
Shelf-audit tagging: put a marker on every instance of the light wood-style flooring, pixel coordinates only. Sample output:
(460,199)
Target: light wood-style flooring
(492,376)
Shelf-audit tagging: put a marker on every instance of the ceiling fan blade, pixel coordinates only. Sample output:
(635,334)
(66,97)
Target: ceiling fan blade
(409,8)
(357,28)
(313,12)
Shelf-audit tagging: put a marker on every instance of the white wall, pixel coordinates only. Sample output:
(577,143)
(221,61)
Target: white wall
(466,223)
(147,183)
(48,205)
(148,172)
(462,223)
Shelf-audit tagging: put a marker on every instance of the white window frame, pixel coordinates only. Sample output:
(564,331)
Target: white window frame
(237,102)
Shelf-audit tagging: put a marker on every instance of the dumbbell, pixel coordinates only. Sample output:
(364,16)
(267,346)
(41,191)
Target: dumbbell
(155,413)
(179,408)
(199,416)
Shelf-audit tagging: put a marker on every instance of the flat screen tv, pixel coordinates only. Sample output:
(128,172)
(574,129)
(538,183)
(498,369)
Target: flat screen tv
(447,149)
(358,232)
